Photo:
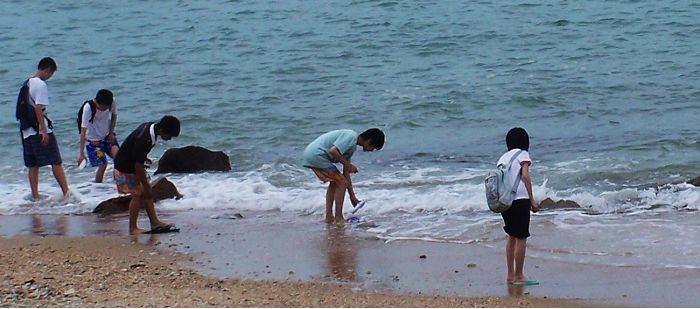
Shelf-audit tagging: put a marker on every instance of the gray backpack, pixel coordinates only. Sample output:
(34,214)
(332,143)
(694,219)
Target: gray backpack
(499,194)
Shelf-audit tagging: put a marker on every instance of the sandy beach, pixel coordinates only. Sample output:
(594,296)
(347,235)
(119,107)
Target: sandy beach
(52,262)
(58,271)
(291,262)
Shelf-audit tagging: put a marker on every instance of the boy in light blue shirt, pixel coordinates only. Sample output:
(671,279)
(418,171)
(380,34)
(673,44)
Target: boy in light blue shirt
(335,148)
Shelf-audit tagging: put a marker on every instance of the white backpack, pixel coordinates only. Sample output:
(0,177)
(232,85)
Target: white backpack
(499,194)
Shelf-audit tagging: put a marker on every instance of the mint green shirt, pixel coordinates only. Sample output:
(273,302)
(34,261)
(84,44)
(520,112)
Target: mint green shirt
(316,154)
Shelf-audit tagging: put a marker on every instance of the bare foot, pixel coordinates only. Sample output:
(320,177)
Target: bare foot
(340,220)
(329,219)
(67,196)
(137,231)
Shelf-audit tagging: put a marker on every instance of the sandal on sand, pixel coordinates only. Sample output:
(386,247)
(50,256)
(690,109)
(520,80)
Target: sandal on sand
(525,282)
(163,229)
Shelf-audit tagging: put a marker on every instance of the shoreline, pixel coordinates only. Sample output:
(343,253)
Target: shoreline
(263,251)
(109,271)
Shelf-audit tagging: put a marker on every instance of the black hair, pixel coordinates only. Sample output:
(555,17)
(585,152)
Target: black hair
(518,138)
(47,63)
(104,97)
(170,125)
(376,136)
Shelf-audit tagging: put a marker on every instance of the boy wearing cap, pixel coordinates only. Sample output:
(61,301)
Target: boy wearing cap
(97,129)
(130,173)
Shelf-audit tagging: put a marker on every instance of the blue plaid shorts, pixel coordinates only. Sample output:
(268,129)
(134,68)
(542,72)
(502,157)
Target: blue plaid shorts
(36,154)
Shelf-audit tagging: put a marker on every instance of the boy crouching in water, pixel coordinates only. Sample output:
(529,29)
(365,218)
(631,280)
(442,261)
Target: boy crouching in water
(130,173)
(329,150)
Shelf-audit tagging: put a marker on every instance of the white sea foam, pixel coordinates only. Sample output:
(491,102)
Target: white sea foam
(430,204)
(429,190)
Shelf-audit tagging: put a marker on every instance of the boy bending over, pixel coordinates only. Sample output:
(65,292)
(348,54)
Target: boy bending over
(130,173)
(335,148)
(97,136)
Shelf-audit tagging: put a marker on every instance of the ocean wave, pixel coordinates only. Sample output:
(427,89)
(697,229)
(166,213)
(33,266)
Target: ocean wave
(286,187)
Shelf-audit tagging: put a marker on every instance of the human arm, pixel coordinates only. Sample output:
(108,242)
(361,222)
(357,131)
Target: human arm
(40,96)
(353,198)
(112,126)
(525,170)
(348,168)
(140,172)
(81,149)
(335,153)
(43,131)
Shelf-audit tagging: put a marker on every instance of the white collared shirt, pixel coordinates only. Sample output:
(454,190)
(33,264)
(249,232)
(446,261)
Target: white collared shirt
(153,134)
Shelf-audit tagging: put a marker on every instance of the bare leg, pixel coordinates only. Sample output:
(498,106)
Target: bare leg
(519,253)
(61,179)
(114,151)
(151,211)
(510,258)
(339,200)
(134,208)
(330,196)
(100,174)
(34,182)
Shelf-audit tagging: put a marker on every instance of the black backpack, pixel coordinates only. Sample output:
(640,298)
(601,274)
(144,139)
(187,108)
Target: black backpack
(24,111)
(80,113)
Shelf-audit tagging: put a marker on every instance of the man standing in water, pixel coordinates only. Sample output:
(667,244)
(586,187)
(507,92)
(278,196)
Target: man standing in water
(39,144)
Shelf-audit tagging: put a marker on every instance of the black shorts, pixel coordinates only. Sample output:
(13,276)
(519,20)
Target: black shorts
(517,219)
(36,154)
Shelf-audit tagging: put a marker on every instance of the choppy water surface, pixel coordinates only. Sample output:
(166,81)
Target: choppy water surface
(608,92)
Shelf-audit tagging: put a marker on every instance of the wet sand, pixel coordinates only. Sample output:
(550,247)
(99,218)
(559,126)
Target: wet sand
(283,260)
(59,271)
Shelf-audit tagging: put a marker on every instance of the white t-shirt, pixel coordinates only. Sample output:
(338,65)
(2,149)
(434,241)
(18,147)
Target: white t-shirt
(98,129)
(38,94)
(515,169)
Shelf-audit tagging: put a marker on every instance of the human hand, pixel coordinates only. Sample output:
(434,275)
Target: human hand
(44,138)
(354,200)
(534,207)
(351,168)
(111,137)
(81,157)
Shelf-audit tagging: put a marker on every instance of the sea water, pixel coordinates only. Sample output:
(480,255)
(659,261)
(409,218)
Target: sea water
(607,91)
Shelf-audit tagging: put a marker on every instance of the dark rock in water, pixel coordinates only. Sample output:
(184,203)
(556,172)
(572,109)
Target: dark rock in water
(548,203)
(192,159)
(162,189)
(113,205)
(695,181)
